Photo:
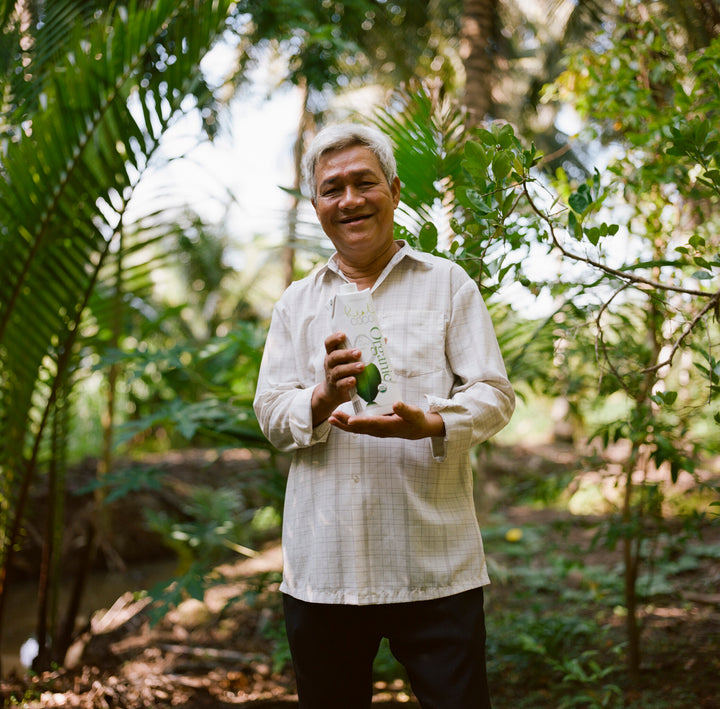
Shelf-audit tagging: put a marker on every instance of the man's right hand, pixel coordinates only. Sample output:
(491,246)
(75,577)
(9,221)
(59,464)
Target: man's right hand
(342,365)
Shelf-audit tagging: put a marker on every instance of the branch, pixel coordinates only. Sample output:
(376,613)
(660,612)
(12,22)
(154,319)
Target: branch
(601,339)
(622,275)
(630,279)
(689,327)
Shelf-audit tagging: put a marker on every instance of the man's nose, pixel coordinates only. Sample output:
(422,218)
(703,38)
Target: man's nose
(350,197)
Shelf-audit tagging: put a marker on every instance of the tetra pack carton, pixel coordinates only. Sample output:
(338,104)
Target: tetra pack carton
(354,314)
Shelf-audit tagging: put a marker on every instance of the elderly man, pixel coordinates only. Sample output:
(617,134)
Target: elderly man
(380,536)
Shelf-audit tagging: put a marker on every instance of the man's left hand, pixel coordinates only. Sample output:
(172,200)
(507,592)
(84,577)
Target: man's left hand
(405,422)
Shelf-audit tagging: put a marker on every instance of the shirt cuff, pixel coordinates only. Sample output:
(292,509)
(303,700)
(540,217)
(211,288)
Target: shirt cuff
(320,433)
(301,426)
(458,434)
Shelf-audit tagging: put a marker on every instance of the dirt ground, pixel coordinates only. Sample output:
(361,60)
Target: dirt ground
(219,653)
(214,653)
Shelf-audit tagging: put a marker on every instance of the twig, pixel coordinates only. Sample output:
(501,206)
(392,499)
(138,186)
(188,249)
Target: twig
(622,275)
(689,327)
(601,339)
(217,654)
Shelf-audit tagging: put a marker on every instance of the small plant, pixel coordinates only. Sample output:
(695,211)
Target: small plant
(585,678)
(281,657)
(386,667)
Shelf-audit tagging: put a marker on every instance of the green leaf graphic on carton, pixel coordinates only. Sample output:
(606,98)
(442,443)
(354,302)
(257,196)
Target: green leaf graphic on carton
(368,382)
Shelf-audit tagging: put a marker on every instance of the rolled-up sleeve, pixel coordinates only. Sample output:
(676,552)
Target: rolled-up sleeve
(481,400)
(283,397)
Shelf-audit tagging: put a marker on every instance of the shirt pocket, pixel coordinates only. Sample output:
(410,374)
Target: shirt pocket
(415,341)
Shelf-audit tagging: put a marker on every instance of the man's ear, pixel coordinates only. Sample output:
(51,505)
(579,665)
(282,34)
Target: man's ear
(395,190)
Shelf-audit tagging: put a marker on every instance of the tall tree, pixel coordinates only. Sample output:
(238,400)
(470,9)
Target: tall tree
(511,50)
(480,56)
(648,92)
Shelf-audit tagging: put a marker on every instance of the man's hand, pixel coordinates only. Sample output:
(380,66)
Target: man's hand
(341,367)
(405,422)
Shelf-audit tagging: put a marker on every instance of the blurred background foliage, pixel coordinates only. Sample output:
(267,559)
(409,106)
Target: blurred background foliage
(564,153)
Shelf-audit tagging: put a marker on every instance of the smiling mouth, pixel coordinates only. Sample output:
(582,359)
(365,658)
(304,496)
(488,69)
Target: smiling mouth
(355,218)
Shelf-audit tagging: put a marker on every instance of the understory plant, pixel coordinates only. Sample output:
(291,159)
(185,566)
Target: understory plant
(627,260)
(88,91)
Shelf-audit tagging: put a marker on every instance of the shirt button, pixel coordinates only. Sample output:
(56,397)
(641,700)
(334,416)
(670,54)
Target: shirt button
(356,478)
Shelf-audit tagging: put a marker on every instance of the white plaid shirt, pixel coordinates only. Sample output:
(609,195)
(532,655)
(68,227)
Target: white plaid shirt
(383,520)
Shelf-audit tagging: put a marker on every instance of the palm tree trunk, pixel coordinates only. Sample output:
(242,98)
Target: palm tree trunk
(479,29)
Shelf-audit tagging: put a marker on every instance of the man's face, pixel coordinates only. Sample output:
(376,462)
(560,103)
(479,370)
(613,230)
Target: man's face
(354,202)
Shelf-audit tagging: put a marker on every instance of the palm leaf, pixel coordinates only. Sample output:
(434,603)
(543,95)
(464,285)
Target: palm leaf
(428,133)
(106,104)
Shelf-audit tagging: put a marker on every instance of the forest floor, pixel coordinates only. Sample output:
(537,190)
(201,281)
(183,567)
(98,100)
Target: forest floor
(556,621)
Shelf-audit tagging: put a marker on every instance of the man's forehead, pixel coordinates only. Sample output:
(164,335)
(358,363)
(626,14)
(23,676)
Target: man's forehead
(333,173)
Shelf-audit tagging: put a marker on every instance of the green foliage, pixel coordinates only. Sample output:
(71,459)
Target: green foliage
(646,91)
(123,482)
(586,684)
(209,522)
(98,90)
(640,323)
(428,134)
(196,392)
(551,645)
(281,656)
(432,149)
(549,610)
(495,167)
(205,526)
(337,45)
(193,582)
(385,667)
(85,135)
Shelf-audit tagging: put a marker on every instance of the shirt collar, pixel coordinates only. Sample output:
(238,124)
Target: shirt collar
(404,251)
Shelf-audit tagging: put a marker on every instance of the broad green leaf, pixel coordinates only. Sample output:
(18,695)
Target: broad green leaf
(428,237)
(579,201)
(501,165)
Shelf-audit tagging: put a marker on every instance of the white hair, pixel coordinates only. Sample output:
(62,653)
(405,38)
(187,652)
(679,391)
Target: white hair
(343,135)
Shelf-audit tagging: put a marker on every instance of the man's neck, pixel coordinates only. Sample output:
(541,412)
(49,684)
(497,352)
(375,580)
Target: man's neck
(365,275)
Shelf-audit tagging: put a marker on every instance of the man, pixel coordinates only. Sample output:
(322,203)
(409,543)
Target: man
(380,537)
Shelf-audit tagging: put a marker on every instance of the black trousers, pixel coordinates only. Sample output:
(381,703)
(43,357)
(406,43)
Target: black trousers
(441,644)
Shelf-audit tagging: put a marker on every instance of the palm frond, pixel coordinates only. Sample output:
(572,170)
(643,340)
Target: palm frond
(108,93)
(428,132)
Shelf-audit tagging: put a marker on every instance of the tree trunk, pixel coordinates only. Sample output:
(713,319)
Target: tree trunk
(102,517)
(631,551)
(305,123)
(477,49)
(634,516)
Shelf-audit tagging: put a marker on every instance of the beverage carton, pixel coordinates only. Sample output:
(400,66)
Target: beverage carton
(354,314)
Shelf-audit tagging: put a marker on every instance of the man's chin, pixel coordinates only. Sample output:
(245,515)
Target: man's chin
(356,233)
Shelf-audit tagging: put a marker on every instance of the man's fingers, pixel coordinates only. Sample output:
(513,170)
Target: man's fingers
(336,341)
(407,412)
